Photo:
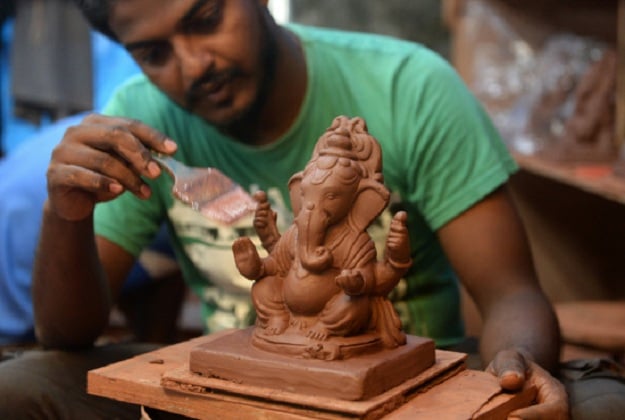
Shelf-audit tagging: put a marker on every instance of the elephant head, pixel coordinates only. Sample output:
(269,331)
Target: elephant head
(341,184)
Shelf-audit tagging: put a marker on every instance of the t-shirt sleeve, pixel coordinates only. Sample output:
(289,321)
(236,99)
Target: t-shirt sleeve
(449,148)
(128,221)
(122,100)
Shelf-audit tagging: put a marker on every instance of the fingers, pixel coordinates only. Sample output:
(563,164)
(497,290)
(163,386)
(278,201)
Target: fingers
(150,138)
(552,400)
(115,152)
(397,241)
(549,388)
(247,259)
(401,217)
(99,159)
(510,367)
(75,176)
(398,223)
(351,281)
(129,140)
(398,229)
(263,215)
(95,171)
(261,197)
(516,370)
(547,411)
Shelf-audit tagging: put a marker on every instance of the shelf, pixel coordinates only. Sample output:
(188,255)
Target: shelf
(597,19)
(596,178)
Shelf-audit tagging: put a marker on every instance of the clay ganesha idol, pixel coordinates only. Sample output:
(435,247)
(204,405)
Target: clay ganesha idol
(321,289)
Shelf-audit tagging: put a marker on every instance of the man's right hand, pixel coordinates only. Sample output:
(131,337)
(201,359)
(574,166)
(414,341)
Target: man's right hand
(98,160)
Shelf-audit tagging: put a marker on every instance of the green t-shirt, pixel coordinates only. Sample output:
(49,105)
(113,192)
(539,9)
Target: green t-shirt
(441,155)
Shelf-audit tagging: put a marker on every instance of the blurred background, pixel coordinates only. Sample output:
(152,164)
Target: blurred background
(549,72)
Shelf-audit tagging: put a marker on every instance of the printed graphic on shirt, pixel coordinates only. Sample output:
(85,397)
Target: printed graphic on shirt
(208,245)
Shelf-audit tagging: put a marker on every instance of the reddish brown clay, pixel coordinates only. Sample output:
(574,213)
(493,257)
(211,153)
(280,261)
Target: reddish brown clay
(322,292)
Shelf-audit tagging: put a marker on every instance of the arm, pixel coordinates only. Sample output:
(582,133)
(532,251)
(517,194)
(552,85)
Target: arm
(72,294)
(489,251)
(77,277)
(265,222)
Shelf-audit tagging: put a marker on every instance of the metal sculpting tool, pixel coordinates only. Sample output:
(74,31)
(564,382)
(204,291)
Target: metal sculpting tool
(208,191)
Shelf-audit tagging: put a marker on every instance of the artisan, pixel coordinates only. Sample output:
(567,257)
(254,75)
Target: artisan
(224,86)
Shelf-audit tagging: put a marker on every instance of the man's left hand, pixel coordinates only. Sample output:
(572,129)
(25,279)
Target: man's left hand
(516,371)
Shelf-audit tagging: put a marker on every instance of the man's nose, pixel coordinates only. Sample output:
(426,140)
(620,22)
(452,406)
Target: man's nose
(193,55)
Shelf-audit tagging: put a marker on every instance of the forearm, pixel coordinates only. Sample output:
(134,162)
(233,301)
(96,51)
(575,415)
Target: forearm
(523,320)
(70,296)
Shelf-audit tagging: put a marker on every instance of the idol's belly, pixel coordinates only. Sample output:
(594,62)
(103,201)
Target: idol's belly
(308,293)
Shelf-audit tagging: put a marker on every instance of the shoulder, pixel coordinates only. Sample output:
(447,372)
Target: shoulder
(356,41)
(353,45)
(396,66)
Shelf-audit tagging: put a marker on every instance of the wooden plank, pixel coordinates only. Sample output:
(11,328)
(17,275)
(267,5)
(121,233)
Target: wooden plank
(140,380)
(469,395)
(599,179)
(533,22)
(137,380)
(594,324)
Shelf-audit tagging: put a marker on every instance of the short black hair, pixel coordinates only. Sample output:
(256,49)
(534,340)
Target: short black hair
(97,13)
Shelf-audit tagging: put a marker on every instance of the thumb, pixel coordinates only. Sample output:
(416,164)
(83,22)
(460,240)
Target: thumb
(510,367)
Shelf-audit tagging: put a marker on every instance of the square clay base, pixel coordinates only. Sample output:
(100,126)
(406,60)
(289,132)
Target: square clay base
(233,358)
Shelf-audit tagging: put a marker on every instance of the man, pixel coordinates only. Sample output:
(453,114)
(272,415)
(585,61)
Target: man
(226,87)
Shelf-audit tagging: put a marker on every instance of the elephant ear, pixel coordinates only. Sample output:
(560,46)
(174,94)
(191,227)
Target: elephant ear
(295,192)
(369,204)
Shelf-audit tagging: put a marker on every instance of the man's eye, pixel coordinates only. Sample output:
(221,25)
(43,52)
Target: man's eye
(206,19)
(153,56)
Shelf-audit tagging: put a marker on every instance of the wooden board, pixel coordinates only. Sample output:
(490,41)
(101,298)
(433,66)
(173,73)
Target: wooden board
(595,324)
(139,380)
(183,380)
(599,179)
(468,395)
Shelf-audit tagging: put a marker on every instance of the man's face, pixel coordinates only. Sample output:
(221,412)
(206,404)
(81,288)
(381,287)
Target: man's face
(213,57)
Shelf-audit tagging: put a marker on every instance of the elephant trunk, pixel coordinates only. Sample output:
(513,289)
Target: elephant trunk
(311,227)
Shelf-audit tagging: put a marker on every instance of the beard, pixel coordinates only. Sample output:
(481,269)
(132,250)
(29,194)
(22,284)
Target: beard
(242,126)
